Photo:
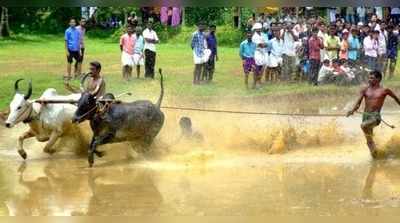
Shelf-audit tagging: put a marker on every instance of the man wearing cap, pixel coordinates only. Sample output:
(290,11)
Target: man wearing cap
(200,52)
(259,54)
(150,41)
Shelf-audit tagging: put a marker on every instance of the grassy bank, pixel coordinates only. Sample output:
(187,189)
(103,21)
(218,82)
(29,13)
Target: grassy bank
(42,59)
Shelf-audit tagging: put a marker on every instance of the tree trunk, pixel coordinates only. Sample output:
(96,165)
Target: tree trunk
(4,26)
(240,17)
(183,16)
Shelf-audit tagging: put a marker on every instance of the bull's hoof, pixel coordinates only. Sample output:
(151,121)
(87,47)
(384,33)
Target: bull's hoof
(100,153)
(49,151)
(91,160)
(22,153)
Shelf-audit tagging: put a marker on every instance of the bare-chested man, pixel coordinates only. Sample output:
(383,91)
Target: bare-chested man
(374,96)
(95,83)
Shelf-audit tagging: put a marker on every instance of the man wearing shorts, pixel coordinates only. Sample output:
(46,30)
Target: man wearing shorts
(126,45)
(82,30)
(247,50)
(138,52)
(374,96)
(72,47)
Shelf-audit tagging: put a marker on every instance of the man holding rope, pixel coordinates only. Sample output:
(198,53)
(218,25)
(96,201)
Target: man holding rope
(374,96)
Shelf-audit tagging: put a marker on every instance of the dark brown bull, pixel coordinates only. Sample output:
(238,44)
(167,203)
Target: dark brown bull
(138,121)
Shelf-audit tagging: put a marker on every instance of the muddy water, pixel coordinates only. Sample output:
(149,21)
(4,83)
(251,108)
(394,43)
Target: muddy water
(230,173)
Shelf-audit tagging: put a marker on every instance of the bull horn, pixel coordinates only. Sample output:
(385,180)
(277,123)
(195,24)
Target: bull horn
(83,81)
(16,84)
(29,94)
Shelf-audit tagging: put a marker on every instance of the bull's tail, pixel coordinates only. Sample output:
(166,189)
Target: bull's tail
(162,89)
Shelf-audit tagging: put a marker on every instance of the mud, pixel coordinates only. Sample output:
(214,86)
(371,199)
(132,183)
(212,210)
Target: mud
(246,165)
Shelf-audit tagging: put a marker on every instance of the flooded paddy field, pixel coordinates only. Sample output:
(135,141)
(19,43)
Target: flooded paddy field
(243,165)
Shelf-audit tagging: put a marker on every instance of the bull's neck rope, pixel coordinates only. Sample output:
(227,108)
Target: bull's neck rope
(31,116)
(88,112)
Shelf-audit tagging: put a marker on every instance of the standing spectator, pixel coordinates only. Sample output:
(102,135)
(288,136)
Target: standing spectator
(289,52)
(322,33)
(332,44)
(275,57)
(259,55)
(315,45)
(344,47)
(381,48)
(72,47)
(212,45)
(82,30)
(392,48)
(361,13)
(126,45)
(200,53)
(246,53)
(350,15)
(370,45)
(150,41)
(138,52)
(395,15)
(354,46)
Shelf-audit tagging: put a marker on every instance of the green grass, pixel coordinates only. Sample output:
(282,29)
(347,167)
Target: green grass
(42,59)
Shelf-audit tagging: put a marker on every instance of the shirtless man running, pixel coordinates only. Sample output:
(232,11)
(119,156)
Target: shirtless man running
(374,96)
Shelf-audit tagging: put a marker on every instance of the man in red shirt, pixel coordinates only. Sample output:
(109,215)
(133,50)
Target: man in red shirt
(315,44)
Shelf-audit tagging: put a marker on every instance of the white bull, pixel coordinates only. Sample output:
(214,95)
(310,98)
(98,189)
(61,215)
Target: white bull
(47,122)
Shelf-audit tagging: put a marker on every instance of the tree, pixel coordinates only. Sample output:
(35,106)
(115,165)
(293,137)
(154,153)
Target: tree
(4,26)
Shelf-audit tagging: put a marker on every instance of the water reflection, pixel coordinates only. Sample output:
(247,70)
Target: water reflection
(245,185)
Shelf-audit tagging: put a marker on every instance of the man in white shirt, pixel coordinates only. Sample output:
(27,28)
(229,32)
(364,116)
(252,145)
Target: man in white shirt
(259,54)
(289,52)
(371,49)
(150,41)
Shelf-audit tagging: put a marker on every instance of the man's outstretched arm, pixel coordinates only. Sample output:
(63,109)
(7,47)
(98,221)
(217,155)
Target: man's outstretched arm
(391,94)
(357,105)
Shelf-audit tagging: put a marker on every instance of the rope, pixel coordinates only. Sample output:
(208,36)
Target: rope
(266,113)
(253,113)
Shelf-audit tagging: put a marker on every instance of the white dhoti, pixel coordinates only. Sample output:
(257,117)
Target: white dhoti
(260,58)
(126,59)
(138,59)
(202,59)
(274,60)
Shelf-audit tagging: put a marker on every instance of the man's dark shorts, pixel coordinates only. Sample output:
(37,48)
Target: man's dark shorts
(371,119)
(74,55)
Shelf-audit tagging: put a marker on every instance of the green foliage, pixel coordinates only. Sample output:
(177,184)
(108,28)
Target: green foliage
(41,20)
(214,15)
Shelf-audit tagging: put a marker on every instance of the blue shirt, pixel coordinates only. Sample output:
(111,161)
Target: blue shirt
(354,43)
(198,41)
(212,44)
(247,49)
(73,38)
(139,45)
